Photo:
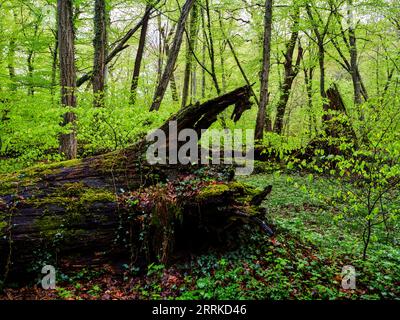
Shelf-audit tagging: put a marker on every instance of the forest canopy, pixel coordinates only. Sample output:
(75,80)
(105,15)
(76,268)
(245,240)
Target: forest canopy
(353,44)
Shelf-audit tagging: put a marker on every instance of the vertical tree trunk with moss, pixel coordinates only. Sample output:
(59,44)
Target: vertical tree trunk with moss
(12,46)
(210,47)
(68,142)
(172,82)
(262,115)
(203,57)
(54,62)
(190,46)
(100,52)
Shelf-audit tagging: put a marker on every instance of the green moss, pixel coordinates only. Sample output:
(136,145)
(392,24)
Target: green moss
(239,189)
(6,187)
(96,195)
(242,193)
(3,227)
(56,228)
(49,225)
(214,190)
(72,235)
(74,197)
(71,189)
(50,200)
(49,167)
(29,176)
(4,223)
(11,182)
(112,161)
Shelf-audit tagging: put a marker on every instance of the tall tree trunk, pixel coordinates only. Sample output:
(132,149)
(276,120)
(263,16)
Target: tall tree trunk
(308,78)
(31,57)
(210,46)
(11,63)
(174,89)
(161,49)
(139,57)
(203,58)
(172,84)
(291,71)
(222,59)
(12,46)
(190,46)
(193,85)
(100,52)
(29,60)
(54,54)
(68,143)
(351,66)
(169,68)
(193,77)
(262,117)
(353,55)
(321,62)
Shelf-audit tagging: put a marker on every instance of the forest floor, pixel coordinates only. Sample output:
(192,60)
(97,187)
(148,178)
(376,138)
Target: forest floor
(303,261)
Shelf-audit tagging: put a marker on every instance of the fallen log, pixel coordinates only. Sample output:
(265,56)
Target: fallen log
(116,205)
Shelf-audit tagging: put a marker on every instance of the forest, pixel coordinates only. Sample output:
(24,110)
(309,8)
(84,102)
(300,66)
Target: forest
(293,107)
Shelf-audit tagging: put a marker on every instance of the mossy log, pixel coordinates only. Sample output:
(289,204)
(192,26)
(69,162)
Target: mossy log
(117,206)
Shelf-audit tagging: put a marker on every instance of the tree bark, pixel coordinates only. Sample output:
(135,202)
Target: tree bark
(11,63)
(100,52)
(321,61)
(29,61)
(190,46)
(351,66)
(308,79)
(173,87)
(262,116)
(31,56)
(161,49)
(335,127)
(210,46)
(54,54)
(12,47)
(353,55)
(203,57)
(68,143)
